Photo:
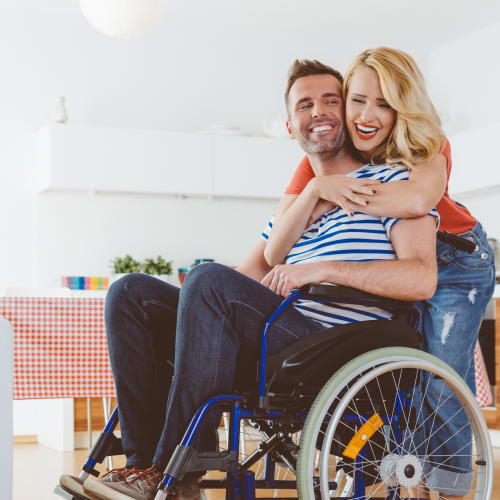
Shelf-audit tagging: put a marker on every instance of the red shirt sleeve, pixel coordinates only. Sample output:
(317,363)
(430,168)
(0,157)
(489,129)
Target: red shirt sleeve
(446,151)
(303,174)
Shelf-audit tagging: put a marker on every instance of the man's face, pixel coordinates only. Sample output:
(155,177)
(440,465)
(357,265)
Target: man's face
(316,114)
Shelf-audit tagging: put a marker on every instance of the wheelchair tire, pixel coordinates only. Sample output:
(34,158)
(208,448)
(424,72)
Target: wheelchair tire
(402,462)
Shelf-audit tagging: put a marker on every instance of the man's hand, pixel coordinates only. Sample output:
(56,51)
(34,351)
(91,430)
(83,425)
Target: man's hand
(285,277)
(345,192)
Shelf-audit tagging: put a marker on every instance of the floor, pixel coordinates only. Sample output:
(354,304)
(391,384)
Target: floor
(37,469)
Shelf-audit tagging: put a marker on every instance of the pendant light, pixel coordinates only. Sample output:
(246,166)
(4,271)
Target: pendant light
(123,18)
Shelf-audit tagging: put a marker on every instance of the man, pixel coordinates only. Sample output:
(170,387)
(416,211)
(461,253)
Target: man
(219,312)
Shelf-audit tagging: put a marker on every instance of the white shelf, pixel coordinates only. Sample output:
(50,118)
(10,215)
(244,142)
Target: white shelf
(123,160)
(253,166)
(98,159)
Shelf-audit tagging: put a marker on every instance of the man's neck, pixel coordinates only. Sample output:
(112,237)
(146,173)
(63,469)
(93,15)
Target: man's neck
(340,163)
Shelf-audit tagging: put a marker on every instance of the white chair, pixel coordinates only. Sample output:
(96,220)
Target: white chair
(6,438)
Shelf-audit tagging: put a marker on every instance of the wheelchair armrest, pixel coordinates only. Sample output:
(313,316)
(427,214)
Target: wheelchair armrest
(348,295)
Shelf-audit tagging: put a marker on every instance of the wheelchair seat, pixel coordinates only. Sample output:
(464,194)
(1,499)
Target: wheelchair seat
(312,359)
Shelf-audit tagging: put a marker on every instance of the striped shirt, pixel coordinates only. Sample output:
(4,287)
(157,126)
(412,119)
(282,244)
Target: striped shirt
(337,237)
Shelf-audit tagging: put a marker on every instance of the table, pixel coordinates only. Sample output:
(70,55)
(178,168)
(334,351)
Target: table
(60,347)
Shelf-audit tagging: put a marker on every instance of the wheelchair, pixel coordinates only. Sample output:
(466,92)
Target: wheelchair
(344,411)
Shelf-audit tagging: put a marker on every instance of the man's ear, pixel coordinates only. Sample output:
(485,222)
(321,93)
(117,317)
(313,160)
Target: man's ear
(289,128)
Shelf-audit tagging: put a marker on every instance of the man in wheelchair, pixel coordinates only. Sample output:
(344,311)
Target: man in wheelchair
(171,349)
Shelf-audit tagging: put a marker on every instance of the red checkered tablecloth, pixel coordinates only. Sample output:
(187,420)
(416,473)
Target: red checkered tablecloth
(60,347)
(484,396)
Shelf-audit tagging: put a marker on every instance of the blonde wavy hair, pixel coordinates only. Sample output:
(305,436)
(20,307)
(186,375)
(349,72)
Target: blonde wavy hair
(416,136)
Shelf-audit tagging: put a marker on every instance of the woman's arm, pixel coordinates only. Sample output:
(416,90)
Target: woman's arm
(294,212)
(412,198)
(289,223)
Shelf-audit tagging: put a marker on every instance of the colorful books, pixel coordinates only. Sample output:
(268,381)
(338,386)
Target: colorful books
(85,282)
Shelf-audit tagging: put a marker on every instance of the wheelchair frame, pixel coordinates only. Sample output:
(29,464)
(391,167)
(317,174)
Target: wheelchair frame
(240,482)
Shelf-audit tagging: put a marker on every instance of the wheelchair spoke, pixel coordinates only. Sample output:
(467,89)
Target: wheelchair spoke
(393,441)
(443,425)
(358,413)
(419,413)
(434,413)
(397,387)
(344,445)
(452,456)
(413,433)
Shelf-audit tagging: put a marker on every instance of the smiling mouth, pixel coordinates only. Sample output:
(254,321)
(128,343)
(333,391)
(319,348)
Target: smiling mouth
(321,128)
(364,132)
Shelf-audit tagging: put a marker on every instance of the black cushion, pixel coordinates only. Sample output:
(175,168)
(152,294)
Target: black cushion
(313,359)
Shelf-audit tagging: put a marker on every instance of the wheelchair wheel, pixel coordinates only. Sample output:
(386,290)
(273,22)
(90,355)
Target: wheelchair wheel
(401,423)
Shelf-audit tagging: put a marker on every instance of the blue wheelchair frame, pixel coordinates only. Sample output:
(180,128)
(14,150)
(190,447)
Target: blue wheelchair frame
(240,483)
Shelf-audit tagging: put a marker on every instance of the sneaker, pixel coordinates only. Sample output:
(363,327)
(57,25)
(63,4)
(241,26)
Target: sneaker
(138,484)
(117,475)
(74,485)
(189,490)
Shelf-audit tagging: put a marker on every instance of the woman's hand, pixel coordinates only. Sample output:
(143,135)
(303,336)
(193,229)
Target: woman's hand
(345,192)
(285,277)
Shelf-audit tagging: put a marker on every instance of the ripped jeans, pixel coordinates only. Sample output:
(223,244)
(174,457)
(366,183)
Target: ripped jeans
(450,323)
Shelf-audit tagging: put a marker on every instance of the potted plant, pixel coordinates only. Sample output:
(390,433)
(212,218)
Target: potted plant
(158,267)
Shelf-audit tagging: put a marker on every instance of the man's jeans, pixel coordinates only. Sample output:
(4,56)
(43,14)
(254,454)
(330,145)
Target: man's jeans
(210,330)
(451,321)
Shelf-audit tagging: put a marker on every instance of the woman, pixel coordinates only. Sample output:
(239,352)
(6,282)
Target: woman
(391,120)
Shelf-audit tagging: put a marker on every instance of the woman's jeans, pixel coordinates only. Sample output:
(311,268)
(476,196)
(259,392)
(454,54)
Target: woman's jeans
(171,350)
(451,321)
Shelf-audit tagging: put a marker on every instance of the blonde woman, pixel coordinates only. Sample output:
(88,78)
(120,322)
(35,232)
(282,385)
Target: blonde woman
(391,120)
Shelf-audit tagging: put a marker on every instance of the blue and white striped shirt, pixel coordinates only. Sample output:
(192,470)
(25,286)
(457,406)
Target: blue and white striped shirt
(337,237)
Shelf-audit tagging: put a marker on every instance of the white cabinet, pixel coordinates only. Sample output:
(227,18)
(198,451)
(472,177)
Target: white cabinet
(253,166)
(124,160)
(144,161)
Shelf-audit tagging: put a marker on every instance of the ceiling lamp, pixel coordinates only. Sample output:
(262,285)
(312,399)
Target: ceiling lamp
(123,18)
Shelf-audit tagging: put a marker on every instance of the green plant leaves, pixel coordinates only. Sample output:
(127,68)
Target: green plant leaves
(128,264)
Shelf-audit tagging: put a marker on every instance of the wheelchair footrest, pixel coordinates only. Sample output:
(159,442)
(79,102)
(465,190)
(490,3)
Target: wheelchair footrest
(187,459)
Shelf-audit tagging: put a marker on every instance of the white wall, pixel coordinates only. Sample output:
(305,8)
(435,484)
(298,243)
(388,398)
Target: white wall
(79,234)
(484,207)
(463,77)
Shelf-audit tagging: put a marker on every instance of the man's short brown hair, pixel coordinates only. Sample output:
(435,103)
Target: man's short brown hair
(306,67)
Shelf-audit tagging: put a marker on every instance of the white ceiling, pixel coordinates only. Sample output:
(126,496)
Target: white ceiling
(209,61)
(428,22)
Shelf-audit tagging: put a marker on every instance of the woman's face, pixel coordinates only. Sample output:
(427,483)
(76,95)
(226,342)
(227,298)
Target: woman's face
(369,118)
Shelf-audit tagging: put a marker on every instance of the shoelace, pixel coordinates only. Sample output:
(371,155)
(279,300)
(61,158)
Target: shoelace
(151,475)
(121,472)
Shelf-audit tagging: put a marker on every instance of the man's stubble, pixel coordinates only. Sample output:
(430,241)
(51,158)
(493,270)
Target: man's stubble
(325,150)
